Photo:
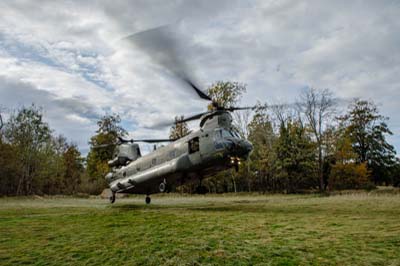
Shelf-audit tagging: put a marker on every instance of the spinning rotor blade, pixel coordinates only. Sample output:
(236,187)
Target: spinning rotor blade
(104,145)
(255,107)
(153,140)
(199,92)
(144,140)
(162,44)
(240,108)
(230,109)
(190,118)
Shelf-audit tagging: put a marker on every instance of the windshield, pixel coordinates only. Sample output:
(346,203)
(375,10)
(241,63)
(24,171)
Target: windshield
(226,134)
(223,133)
(235,134)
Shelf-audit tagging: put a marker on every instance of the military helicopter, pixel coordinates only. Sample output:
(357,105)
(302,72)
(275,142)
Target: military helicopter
(215,146)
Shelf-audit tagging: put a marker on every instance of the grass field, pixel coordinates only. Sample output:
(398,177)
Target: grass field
(361,229)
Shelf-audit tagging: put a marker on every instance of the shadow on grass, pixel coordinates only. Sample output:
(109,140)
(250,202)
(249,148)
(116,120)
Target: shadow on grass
(237,208)
(129,207)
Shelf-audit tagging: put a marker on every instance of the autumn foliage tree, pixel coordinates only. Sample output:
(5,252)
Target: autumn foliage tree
(179,129)
(367,130)
(226,93)
(346,172)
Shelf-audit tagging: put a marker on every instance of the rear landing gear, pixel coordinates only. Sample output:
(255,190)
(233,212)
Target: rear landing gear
(112,198)
(148,200)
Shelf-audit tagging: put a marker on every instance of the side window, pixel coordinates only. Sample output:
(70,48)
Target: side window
(153,162)
(172,154)
(194,145)
(217,139)
(217,134)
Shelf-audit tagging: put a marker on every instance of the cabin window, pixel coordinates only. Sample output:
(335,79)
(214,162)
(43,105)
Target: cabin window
(172,154)
(218,134)
(154,161)
(194,145)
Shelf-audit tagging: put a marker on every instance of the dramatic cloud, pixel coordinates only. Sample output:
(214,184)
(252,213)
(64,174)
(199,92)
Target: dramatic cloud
(71,58)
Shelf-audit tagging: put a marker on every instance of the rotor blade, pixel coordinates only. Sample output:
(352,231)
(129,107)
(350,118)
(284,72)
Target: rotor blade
(103,145)
(164,47)
(234,108)
(190,118)
(122,140)
(240,108)
(199,92)
(153,140)
(144,140)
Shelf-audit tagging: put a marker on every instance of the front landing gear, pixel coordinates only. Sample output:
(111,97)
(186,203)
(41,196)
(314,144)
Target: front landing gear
(148,199)
(112,198)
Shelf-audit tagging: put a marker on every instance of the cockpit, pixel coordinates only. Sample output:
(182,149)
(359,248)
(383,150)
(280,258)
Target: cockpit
(230,140)
(222,133)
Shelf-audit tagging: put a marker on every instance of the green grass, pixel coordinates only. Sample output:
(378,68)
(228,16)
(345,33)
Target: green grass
(361,229)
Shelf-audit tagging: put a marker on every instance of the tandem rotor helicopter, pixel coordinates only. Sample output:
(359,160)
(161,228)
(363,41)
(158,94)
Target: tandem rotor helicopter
(214,147)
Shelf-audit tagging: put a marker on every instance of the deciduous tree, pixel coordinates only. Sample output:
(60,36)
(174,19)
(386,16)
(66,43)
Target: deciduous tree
(179,129)
(226,93)
(367,130)
(27,131)
(318,107)
(109,130)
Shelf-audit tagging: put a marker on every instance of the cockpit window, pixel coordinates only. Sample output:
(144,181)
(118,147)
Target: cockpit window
(223,133)
(218,134)
(235,133)
(226,133)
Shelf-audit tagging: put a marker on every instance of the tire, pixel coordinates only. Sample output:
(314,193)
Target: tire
(112,198)
(162,187)
(148,200)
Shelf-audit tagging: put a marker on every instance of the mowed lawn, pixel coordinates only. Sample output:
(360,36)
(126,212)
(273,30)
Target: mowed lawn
(360,229)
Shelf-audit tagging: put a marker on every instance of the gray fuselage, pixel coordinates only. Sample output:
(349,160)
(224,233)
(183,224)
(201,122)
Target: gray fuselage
(213,148)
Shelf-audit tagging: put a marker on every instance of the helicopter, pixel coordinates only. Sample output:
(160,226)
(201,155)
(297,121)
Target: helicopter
(214,147)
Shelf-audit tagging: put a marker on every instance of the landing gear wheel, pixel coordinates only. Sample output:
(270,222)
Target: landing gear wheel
(162,187)
(148,200)
(112,198)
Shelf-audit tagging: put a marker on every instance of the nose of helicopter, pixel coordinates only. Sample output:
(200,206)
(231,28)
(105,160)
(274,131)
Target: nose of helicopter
(246,147)
(242,148)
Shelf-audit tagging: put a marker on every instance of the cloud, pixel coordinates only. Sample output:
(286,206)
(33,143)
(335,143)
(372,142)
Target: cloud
(68,56)
(71,117)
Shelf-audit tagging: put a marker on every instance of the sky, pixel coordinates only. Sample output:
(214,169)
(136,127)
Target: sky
(73,59)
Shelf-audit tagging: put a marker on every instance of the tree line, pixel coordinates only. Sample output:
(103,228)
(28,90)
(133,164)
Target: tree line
(312,144)
(309,145)
(35,161)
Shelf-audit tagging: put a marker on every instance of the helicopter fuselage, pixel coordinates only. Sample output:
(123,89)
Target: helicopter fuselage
(215,147)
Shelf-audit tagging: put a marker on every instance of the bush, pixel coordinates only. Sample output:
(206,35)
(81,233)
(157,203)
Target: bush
(349,176)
